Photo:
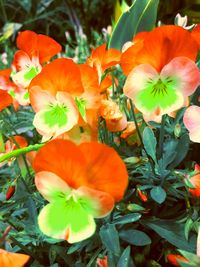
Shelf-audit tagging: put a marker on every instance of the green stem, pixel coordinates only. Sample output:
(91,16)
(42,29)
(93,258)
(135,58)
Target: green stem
(20,151)
(161,137)
(140,136)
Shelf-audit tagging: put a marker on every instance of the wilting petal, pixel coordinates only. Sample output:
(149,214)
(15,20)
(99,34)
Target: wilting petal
(191,120)
(66,220)
(8,259)
(105,169)
(5,99)
(63,158)
(173,259)
(51,186)
(185,71)
(98,204)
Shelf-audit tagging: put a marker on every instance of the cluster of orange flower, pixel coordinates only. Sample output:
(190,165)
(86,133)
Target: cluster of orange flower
(69,99)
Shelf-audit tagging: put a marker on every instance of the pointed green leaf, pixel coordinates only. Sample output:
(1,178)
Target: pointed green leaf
(124,259)
(110,239)
(135,237)
(141,16)
(129,218)
(150,143)
(158,194)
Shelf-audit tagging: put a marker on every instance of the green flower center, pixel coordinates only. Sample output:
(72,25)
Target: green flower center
(31,73)
(159,88)
(56,115)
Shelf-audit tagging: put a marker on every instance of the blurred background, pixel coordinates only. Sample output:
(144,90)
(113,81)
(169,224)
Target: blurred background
(56,17)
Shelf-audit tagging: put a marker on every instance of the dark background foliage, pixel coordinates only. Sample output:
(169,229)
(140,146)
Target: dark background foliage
(55,17)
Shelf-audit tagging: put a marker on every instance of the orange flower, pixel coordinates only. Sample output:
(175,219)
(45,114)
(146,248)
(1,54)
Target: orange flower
(78,181)
(102,59)
(159,47)
(173,259)
(102,262)
(5,99)
(195,181)
(8,259)
(35,50)
(80,90)
(115,120)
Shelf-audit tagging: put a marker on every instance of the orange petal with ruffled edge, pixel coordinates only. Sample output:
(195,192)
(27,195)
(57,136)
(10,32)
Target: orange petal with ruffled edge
(105,169)
(129,56)
(38,45)
(27,41)
(196,34)
(5,99)
(165,43)
(8,259)
(159,47)
(104,58)
(64,159)
(60,75)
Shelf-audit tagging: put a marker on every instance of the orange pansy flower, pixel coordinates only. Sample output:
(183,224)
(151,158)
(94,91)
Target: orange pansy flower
(35,50)
(77,181)
(8,259)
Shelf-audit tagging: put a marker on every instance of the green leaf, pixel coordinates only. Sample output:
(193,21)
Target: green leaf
(135,237)
(141,16)
(158,194)
(124,259)
(129,218)
(192,258)
(110,238)
(187,228)
(182,150)
(173,232)
(150,143)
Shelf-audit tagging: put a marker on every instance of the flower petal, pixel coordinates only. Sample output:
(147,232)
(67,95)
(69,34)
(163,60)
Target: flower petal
(40,99)
(185,71)
(5,99)
(152,94)
(191,119)
(60,75)
(61,220)
(97,203)
(51,186)
(64,159)
(105,169)
(8,259)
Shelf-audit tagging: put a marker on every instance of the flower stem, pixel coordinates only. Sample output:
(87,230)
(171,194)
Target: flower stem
(20,151)
(161,137)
